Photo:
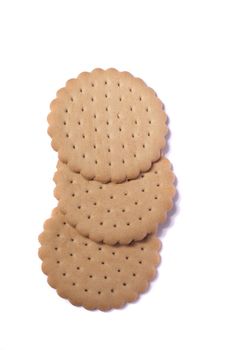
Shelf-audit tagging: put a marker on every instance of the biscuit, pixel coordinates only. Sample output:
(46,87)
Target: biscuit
(107,125)
(94,275)
(116,213)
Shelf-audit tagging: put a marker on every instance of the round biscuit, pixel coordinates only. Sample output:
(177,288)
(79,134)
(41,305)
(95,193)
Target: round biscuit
(116,213)
(94,275)
(107,125)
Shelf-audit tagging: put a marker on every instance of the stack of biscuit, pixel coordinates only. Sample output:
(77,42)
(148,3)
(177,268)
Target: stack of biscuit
(114,187)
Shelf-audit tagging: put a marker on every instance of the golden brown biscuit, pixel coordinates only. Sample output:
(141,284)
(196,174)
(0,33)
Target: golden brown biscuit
(116,213)
(107,125)
(94,275)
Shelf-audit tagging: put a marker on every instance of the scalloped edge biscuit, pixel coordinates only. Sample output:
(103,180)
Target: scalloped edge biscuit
(93,275)
(102,138)
(116,213)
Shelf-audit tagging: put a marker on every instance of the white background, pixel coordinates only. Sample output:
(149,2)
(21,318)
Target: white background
(183,49)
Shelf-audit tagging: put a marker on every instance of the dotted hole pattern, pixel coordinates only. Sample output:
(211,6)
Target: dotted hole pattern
(108,122)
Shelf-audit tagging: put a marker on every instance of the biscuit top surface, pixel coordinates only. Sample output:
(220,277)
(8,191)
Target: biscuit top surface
(107,125)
